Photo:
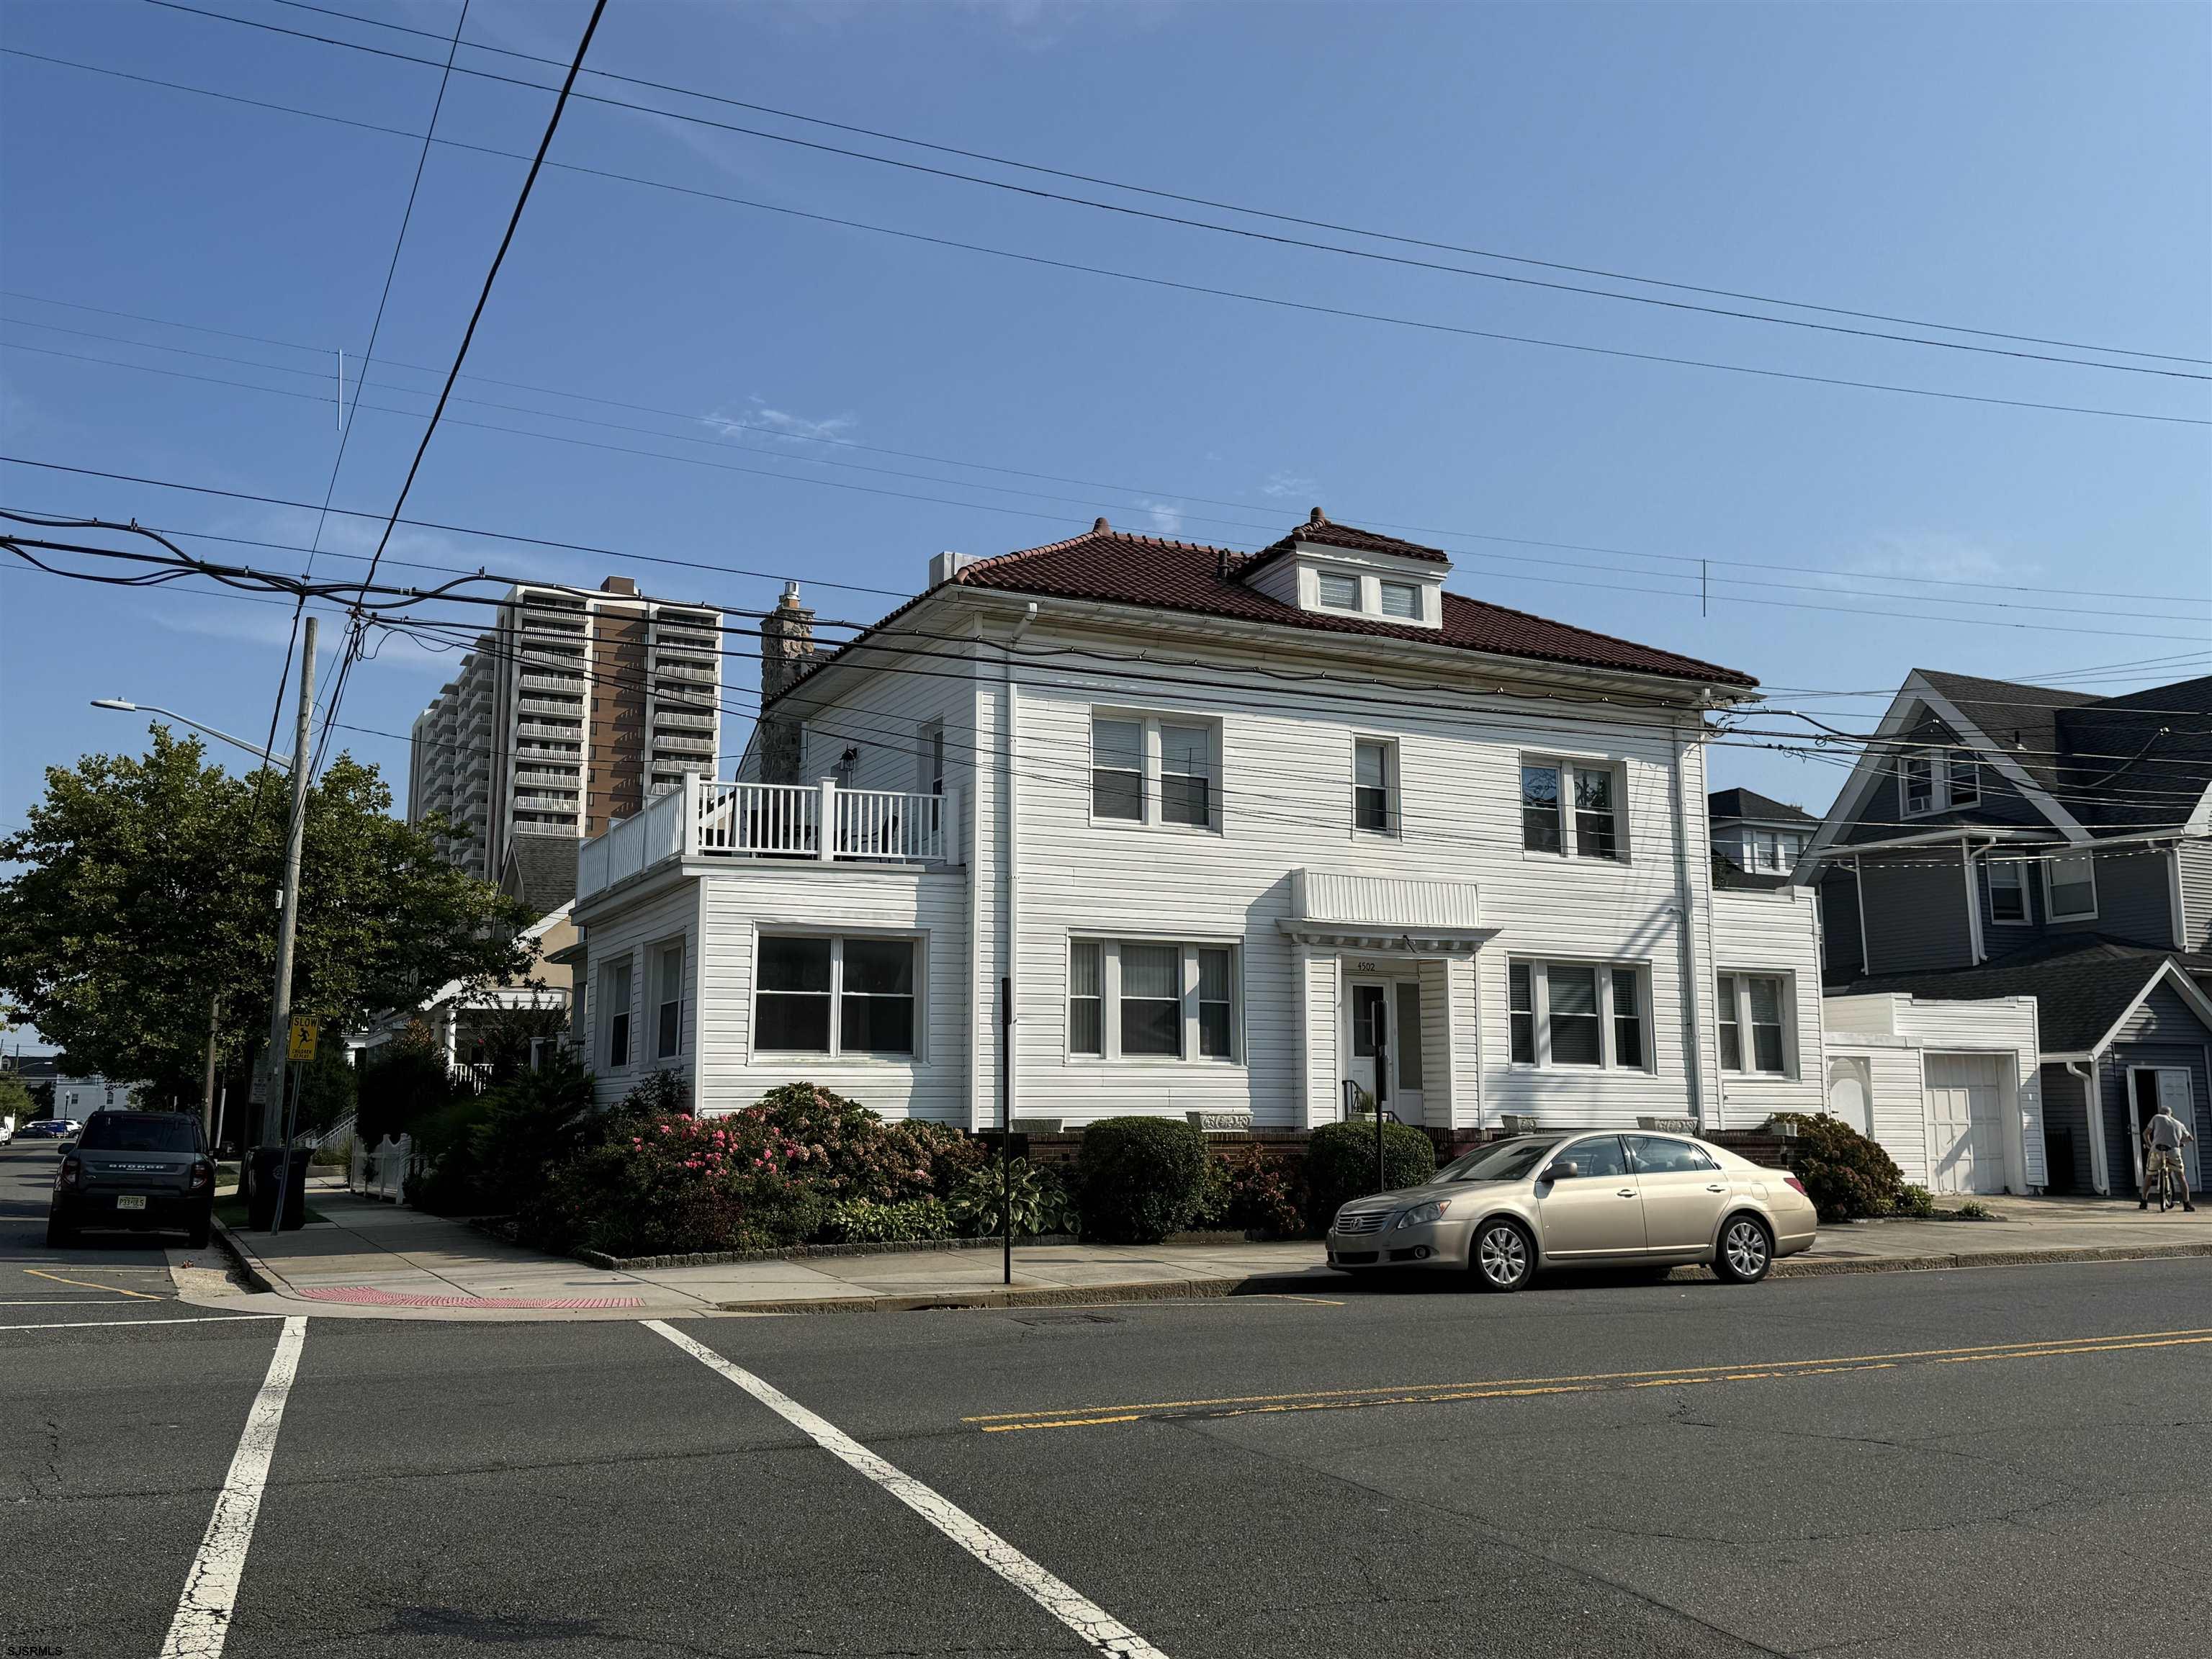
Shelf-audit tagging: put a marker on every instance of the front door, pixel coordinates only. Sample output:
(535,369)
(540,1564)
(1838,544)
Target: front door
(1370,1063)
(1596,1211)
(2148,1087)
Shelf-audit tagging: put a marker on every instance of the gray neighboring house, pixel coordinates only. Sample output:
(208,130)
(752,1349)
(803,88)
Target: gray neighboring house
(2006,840)
(1756,834)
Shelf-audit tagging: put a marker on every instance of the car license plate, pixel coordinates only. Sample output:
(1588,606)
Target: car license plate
(131,1201)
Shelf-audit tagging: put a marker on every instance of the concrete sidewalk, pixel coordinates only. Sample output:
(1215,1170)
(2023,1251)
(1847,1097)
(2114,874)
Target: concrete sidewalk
(379,1260)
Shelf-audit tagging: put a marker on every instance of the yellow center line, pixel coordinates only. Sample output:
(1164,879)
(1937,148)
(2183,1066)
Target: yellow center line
(1351,1398)
(86,1284)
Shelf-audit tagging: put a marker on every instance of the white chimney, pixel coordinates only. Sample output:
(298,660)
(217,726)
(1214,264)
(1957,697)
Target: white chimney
(944,565)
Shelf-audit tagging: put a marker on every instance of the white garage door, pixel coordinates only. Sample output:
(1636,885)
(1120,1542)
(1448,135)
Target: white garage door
(1965,1123)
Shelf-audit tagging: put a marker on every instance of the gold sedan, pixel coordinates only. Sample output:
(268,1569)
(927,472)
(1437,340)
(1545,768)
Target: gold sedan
(1587,1199)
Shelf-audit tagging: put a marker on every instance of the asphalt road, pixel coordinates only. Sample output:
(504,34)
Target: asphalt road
(2005,1461)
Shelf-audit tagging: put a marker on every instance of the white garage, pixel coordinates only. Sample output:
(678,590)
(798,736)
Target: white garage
(1964,1095)
(1951,1089)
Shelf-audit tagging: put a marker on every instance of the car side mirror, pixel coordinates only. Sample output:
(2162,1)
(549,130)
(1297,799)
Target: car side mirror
(1564,1170)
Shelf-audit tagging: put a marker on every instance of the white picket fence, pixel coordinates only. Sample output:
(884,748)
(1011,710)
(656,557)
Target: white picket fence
(383,1172)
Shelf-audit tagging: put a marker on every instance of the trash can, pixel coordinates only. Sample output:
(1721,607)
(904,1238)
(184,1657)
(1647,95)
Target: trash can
(260,1175)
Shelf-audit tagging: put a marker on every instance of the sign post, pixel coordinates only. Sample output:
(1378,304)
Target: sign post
(298,1049)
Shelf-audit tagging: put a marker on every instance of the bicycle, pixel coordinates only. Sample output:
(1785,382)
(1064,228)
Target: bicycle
(2161,1178)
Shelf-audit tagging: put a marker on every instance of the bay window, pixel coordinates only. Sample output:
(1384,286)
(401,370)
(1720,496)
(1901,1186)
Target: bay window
(2008,890)
(1577,1014)
(2069,888)
(1593,828)
(835,996)
(1150,1000)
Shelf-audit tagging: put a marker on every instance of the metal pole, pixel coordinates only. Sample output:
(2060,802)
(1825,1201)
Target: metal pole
(1006,1123)
(207,1085)
(285,1168)
(288,920)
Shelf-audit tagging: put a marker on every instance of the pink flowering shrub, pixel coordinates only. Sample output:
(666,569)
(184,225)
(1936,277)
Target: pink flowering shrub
(653,1182)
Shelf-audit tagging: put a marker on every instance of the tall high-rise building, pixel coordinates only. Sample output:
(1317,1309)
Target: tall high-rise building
(570,711)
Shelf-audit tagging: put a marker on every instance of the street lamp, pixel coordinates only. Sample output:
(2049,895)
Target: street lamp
(124,706)
(274,1127)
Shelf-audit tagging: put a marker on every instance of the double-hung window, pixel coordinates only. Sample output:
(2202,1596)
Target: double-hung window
(1938,781)
(668,1000)
(1117,770)
(2069,887)
(614,1023)
(1754,1024)
(835,996)
(1573,809)
(1577,1014)
(1149,1000)
(1145,770)
(1401,600)
(1962,779)
(2008,890)
(1371,767)
(1916,776)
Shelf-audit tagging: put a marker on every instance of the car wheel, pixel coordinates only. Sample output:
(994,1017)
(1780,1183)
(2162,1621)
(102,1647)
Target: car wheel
(1746,1250)
(1502,1256)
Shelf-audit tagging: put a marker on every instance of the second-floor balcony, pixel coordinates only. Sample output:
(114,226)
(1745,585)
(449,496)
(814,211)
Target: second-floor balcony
(802,823)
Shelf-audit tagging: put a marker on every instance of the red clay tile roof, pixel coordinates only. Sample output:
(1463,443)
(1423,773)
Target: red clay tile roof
(1113,566)
(1318,532)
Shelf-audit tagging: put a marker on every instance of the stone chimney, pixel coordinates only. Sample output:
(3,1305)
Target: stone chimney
(787,648)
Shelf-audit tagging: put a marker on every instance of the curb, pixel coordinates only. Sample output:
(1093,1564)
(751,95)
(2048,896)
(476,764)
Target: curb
(1195,1290)
(1041,1296)
(247,1263)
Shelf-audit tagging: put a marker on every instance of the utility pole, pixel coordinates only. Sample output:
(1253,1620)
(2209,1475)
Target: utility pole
(288,920)
(207,1085)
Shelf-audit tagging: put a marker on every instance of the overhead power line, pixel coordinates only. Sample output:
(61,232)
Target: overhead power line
(1178,498)
(1244,296)
(1260,213)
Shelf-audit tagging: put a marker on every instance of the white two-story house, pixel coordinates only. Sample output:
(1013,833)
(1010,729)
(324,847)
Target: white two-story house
(1123,824)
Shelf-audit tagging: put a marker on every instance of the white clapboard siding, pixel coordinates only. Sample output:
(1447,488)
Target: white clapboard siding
(1773,932)
(1898,1033)
(1286,805)
(630,931)
(929,906)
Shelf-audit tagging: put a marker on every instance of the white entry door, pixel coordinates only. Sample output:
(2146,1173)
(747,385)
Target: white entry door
(1965,1123)
(1384,1043)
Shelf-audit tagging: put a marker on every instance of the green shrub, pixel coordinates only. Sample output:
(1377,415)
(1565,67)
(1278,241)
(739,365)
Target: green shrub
(861,1221)
(1039,1200)
(1140,1179)
(1845,1174)
(1974,1210)
(1340,1164)
(1915,1201)
(841,1146)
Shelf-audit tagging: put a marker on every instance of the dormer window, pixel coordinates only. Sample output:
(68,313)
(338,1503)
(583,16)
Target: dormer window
(1401,599)
(1339,591)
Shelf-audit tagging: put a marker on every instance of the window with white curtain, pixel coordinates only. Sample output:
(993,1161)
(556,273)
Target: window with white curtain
(1339,591)
(1143,1000)
(1579,1014)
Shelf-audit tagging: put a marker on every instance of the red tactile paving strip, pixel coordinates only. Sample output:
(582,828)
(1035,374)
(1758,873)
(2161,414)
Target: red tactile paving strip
(376,1298)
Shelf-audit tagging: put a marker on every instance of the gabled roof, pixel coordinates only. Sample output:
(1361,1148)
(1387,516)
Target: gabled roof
(2082,984)
(2162,738)
(540,871)
(2022,719)
(1113,566)
(1748,804)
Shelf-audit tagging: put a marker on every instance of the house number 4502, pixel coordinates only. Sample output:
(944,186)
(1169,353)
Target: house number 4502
(1364,967)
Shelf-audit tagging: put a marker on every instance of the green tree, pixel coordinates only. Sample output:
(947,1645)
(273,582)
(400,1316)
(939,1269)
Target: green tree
(15,1100)
(149,887)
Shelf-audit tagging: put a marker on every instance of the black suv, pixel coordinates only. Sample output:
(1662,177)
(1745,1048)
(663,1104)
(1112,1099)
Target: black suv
(142,1171)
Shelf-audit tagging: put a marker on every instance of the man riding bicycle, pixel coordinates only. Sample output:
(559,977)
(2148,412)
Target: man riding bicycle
(2164,1137)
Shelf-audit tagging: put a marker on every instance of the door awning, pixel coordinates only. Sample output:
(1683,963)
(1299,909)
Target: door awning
(1346,912)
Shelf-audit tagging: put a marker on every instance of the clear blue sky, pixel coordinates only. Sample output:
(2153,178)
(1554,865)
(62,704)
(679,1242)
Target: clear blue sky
(2038,169)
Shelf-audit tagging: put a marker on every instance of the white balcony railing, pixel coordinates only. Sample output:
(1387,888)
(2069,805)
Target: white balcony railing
(706,819)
